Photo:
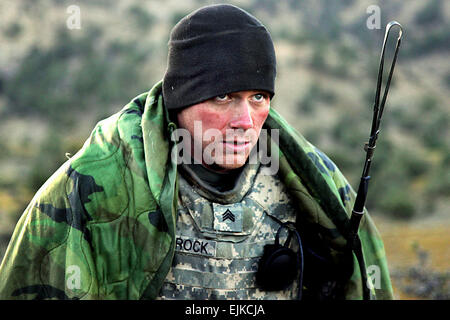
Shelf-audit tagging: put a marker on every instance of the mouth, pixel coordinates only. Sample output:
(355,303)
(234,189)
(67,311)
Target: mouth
(237,146)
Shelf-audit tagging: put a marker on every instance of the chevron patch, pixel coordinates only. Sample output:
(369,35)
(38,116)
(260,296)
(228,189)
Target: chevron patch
(228,217)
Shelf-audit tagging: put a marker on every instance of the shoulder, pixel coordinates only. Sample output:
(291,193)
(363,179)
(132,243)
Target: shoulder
(271,193)
(95,181)
(314,167)
(117,133)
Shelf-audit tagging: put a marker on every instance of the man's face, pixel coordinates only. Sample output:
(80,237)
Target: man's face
(226,127)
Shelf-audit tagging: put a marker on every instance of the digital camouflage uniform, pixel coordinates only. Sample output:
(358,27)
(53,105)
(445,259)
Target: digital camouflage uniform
(220,237)
(104,225)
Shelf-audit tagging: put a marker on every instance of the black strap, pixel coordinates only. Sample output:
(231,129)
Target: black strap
(357,249)
(290,226)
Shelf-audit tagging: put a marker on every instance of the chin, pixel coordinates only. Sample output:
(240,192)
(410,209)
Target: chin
(231,166)
(236,162)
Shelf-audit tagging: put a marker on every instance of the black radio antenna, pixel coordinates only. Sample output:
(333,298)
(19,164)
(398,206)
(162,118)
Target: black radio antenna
(378,108)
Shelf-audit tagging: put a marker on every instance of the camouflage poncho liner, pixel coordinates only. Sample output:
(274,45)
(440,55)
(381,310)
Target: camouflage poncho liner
(103,225)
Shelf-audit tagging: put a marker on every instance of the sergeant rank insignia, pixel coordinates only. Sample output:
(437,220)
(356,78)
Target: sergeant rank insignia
(228,217)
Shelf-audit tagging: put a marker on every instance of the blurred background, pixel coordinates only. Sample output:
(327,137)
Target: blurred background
(65,65)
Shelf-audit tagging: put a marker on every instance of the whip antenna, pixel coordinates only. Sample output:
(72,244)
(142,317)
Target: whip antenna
(378,108)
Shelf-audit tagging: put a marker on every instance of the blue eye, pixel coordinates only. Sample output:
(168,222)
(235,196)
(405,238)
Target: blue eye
(222,97)
(259,97)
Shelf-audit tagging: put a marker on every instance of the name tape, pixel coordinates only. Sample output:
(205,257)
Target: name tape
(195,246)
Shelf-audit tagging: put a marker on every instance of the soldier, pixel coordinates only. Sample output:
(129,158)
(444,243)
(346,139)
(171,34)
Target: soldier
(170,199)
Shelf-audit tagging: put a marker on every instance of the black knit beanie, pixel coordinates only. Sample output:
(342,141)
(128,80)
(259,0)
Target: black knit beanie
(216,50)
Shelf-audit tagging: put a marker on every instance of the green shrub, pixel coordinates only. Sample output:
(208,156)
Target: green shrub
(348,131)
(447,80)
(13,30)
(314,94)
(141,17)
(397,202)
(431,13)
(436,132)
(439,180)
(51,157)
(436,39)
(75,75)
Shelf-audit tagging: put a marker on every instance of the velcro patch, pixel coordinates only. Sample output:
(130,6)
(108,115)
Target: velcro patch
(228,217)
(196,246)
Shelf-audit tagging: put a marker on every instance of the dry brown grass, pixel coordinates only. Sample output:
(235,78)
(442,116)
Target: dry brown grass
(400,237)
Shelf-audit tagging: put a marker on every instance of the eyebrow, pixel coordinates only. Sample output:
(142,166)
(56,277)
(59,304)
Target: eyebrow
(253,92)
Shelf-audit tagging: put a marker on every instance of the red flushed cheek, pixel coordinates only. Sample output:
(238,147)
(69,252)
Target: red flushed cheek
(260,117)
(216,120)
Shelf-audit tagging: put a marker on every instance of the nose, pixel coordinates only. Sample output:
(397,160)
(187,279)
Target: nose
(242,118)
